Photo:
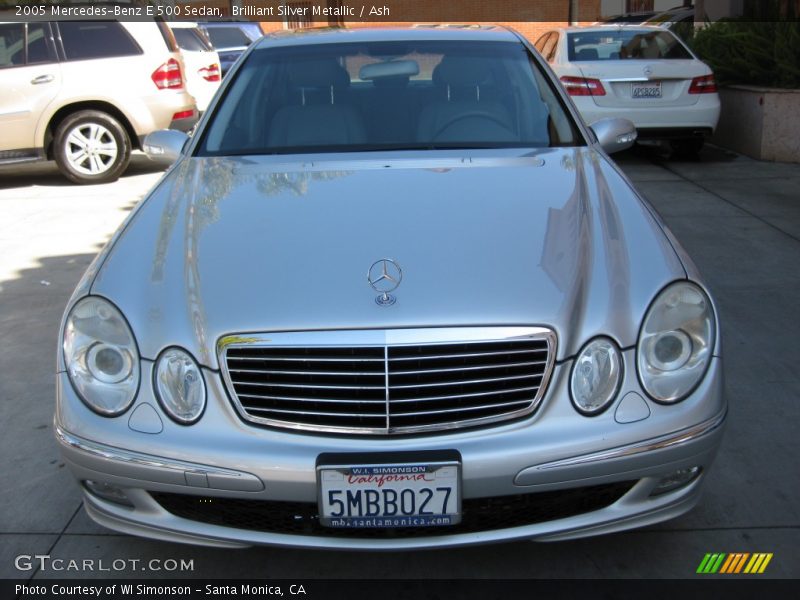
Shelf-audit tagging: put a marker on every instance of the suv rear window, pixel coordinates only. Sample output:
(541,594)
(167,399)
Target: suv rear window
(191,39)
(228,37)
(96,39)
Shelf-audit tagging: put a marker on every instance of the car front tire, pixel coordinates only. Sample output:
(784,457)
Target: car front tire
(91,146)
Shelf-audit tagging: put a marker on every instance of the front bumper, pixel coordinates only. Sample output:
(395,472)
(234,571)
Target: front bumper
(553,450)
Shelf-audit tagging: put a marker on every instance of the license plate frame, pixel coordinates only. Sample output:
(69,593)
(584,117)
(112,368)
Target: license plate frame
(334,477)
(650,90)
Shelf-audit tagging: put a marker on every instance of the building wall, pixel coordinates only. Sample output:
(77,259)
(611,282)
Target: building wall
(539,17)
(610,8)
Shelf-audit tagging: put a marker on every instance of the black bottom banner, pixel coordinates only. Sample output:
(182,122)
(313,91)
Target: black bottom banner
(379,589)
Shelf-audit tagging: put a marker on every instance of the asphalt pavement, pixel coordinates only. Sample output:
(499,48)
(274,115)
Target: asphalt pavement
(738,218)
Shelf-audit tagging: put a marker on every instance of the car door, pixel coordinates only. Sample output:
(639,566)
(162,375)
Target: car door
(30,78)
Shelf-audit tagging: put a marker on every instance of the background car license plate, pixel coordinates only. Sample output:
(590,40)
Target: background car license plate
(389,495)
(646,90)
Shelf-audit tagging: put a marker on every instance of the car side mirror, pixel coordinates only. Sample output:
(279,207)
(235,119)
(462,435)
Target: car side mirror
(165,146)
(614,135)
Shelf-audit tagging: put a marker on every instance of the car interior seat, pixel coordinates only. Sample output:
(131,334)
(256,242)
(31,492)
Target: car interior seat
(321,114)
(468,111)
(390,114)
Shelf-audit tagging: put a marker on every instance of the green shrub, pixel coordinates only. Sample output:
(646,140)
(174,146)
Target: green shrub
(765,53)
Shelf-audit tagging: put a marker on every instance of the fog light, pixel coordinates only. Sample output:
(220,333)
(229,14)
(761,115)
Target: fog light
(676,480)
(109,492)
(596,376)
(179,386)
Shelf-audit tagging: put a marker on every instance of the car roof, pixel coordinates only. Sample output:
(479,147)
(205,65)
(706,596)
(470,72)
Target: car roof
(337,35)
(610,26)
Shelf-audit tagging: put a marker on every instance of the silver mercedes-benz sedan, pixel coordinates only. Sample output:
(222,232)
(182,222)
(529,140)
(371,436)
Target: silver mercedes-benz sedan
(392,293)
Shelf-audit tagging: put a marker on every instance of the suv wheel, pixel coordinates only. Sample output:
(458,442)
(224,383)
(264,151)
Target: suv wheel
(91,147)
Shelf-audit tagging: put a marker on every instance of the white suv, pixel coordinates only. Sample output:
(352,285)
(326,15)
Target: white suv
(86,93)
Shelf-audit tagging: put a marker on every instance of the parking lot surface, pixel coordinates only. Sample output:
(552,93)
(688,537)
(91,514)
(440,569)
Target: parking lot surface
(738,218)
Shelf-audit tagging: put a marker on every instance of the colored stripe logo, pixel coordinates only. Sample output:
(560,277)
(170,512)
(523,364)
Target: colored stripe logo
(734,563)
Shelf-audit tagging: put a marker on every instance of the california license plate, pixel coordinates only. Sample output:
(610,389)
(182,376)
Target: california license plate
(389,495)
(646,90)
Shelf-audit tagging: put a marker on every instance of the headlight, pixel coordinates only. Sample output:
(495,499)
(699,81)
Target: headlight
(596,376)
(676,342)
(101,356)
(179,386)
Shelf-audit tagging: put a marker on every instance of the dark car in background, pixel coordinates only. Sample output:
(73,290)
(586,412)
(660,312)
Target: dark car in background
(230,39)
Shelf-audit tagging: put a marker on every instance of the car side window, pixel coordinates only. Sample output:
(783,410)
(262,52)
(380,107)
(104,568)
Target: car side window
(39,51)
(12,44)
(96,39)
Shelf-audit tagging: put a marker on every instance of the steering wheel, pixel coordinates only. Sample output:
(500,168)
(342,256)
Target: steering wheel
(480,114)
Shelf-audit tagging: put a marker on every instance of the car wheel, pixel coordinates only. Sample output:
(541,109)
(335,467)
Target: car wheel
(688,146)
(90,146)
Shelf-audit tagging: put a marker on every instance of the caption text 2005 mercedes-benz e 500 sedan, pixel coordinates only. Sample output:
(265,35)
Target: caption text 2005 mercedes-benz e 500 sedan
(392,293)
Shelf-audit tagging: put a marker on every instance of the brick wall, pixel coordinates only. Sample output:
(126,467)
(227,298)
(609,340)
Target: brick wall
(531,18)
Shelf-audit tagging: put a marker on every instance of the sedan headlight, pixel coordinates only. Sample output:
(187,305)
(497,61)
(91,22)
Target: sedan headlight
(676,342)
(179,386)
(101,356)
(596,376)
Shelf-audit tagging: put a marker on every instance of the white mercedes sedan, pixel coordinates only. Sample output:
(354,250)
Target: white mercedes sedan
(645,74)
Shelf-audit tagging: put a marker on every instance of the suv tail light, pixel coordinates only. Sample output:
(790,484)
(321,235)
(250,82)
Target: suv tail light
(168,76)
(583,86)
(703,85)
(184,114)
(210,73)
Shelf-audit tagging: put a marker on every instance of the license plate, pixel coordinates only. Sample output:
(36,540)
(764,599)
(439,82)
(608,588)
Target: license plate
(646,90)
(389,495)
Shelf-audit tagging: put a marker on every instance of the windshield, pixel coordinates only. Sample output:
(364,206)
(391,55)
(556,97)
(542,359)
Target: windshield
(388,95)
(625,44)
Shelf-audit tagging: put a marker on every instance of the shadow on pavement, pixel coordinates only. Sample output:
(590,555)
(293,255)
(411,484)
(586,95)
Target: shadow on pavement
(47,174)
(43,497)
(660,152)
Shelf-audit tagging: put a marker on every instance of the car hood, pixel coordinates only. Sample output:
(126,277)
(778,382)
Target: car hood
(224,246)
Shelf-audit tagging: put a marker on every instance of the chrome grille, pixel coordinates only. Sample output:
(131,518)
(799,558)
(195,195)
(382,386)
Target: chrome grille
(397,381)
